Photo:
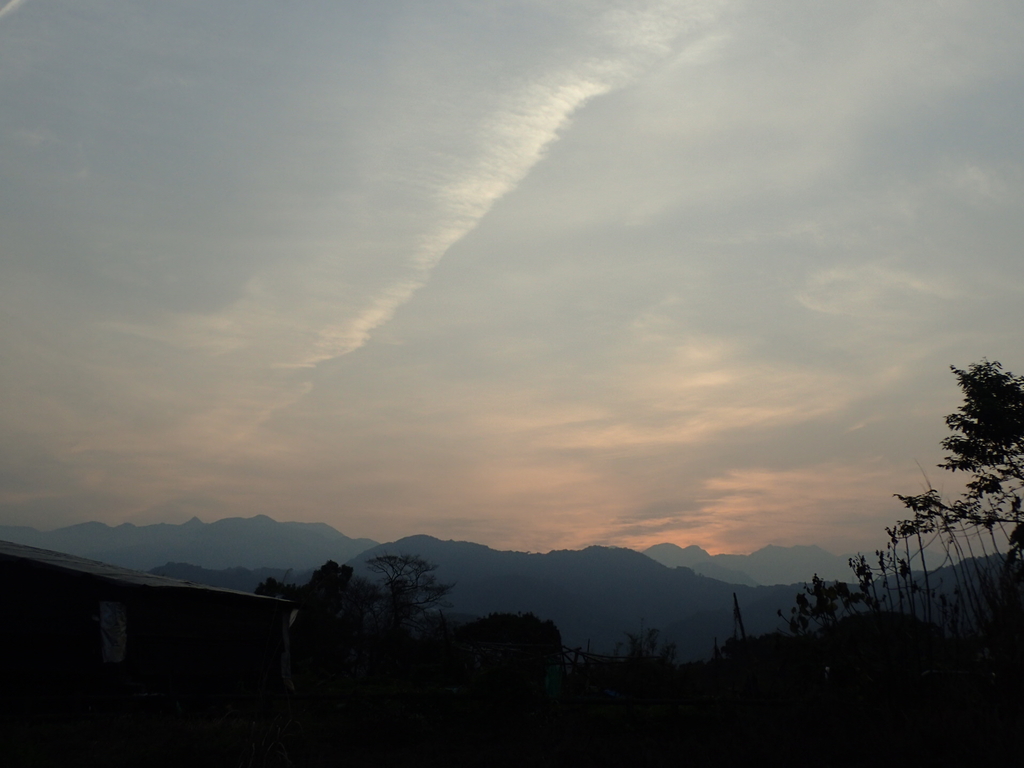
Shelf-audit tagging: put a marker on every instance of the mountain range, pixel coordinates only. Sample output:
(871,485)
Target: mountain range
(768,565)
(262,542)
(594,595)
(253,542)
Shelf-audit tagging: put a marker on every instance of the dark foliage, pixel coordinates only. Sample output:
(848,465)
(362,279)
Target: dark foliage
(510,660)
(322,633)
(353,626)
(512,628)
(989,430)
(960,622)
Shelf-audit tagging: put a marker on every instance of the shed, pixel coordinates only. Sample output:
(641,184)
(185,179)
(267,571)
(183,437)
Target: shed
(72,625)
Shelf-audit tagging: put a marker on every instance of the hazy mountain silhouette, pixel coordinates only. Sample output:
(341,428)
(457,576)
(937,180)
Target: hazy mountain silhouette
(768,565)
(254,542)
(699,561)
(595,594)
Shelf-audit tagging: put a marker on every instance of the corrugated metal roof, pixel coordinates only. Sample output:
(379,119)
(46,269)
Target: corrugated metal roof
(61,561)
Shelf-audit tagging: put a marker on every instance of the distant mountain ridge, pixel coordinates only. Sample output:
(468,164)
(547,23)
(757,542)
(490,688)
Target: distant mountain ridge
(253,542)
(769,565)
(595,595)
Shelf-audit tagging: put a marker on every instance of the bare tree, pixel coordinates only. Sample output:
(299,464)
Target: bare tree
(410,589)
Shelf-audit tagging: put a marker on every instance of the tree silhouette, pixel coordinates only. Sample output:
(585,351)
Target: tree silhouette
(988,443)
(410,590)
(323,631)
(512,629)
(980,536)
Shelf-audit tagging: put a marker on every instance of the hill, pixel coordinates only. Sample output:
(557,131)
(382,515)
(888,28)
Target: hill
(254,542)
(768,565)
(594,595)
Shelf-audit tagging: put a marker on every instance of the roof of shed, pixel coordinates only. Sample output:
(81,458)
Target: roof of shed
(45,558)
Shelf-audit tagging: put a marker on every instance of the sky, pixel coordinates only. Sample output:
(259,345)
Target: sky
(533,274)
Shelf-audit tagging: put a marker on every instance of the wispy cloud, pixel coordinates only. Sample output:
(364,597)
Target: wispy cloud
(540,273)
(871,290)
(251,359)
(11,7)
(304,312)
(828,504)
(511,140)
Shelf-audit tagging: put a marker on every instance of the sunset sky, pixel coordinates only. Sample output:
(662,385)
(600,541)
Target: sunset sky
(533,274)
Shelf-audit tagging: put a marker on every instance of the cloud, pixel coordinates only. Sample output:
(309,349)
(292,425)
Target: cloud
(873,290)
(832,504)
(10,7)
(540,273)
(837,505)
(298,314)
(206,383)
(511,140)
